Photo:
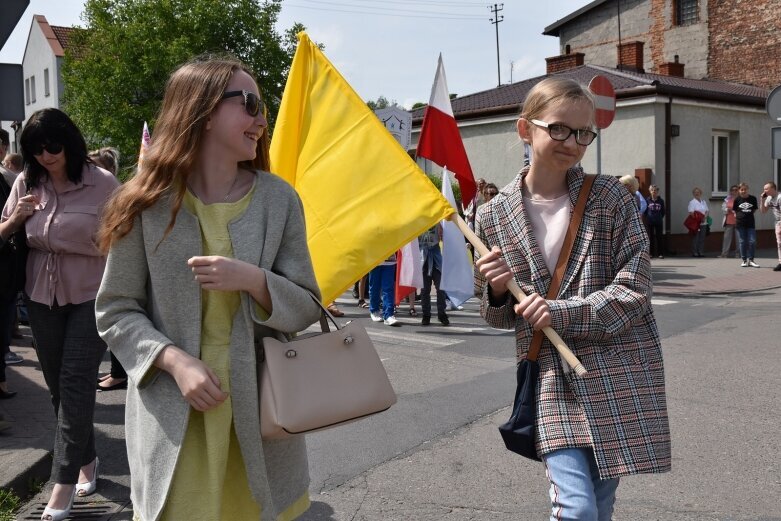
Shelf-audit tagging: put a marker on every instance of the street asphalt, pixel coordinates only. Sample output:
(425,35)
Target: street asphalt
(455,468)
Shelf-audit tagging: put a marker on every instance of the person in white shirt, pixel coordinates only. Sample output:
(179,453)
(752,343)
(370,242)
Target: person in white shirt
(772,199)
(697,204)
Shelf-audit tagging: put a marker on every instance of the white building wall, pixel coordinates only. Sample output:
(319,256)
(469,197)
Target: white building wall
(39,56)
(692,155)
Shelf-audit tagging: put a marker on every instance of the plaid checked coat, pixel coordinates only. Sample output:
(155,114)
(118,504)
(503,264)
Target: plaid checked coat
(603,312)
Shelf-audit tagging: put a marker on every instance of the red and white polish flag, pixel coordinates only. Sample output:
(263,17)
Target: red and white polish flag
(440,140)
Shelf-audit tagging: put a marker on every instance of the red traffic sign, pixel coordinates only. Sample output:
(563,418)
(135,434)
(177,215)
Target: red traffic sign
(604,100)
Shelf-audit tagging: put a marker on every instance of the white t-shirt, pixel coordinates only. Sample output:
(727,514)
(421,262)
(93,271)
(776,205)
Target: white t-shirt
(699,206)
(549,219)
(775,204)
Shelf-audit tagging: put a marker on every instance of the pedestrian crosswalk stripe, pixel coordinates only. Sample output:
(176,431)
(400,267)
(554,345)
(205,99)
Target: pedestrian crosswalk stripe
(662,302)
(411,340)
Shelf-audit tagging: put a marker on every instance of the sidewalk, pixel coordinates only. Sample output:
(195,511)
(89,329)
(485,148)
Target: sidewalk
(685,276)
(24,449)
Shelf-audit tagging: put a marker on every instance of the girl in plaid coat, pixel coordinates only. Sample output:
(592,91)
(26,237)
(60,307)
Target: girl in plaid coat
(612,421)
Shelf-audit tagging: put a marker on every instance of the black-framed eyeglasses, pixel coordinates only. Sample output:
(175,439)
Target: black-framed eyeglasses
(559,132)
(52,148)
(492,193)
(252,102)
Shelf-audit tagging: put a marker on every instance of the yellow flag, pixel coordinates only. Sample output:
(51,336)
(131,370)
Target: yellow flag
(363,196)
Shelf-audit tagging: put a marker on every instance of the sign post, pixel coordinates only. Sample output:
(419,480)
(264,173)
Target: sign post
(773,107)
(605,104)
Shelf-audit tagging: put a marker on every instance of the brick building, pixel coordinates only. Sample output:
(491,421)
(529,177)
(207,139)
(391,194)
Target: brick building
(732,40)
(691,84)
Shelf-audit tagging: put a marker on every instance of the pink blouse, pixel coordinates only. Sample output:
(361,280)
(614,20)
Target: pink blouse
(64,262)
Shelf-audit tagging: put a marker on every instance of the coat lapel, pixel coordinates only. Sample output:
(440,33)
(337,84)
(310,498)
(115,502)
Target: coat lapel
(584,234)
(183,242)
(515,221)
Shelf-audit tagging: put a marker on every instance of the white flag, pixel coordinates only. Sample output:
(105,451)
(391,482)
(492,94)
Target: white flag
(457,279)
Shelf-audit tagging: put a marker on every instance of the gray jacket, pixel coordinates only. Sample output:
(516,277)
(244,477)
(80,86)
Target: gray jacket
(148,300)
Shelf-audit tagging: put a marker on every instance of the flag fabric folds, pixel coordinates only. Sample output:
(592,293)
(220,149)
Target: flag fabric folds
(457,273)
(440,140)
(409,270)
(363,196)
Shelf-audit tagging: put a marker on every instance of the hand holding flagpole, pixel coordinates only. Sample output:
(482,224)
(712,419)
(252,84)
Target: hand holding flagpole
(518,293)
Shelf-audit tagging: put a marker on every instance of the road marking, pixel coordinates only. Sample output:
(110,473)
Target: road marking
(411,340)
(662,302)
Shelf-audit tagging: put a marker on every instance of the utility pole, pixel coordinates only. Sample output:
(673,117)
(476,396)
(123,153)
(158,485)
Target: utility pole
(495,20)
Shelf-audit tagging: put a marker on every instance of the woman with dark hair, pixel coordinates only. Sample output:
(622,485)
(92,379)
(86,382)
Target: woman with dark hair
(58,201)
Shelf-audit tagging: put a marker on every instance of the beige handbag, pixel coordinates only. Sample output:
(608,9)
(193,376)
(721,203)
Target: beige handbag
(320,380)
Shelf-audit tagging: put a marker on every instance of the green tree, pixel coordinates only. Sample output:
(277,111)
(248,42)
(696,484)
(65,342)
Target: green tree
(381,103)
(117,65)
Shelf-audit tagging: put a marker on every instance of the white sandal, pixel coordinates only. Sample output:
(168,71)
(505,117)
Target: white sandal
(85,489)
(52,514)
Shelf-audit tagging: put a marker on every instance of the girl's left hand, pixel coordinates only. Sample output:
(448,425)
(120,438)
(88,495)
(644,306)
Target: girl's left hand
(535,310)
(217,273)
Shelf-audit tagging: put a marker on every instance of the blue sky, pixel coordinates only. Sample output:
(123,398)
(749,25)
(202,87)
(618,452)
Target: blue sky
(390,47)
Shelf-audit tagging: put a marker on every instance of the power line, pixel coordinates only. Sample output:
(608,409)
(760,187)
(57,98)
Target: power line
(495,21)
(387,11)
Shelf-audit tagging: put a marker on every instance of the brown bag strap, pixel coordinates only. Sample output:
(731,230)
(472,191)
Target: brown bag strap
(561,262)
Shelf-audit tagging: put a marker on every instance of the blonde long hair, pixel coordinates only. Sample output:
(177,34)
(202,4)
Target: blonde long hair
(191,95)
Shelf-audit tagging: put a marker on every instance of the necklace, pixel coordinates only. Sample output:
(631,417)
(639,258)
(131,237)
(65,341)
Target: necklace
(225,199)
(230,190)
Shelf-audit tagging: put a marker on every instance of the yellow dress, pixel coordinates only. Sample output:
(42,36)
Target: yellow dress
(210,480)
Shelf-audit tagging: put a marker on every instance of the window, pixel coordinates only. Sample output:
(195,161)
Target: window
(27,91)
(721,162)
(686,12)
(46,82)
(32,89)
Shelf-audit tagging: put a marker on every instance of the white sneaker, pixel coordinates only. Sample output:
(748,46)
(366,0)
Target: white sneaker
(753,264)
(744,264)
(376,317)
(391,321)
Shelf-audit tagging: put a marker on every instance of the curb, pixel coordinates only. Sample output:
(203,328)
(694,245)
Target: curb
(36,464)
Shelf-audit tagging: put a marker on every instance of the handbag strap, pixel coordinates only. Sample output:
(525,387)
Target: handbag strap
(325,315)
(561,262)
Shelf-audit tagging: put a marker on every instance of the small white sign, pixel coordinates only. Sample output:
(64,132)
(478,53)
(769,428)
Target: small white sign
(398,122)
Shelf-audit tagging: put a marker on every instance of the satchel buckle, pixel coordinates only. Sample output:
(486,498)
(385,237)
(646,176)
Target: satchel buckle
(291,353)
(348,339)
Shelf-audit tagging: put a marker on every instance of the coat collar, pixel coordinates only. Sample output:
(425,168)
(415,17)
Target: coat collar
(512,213)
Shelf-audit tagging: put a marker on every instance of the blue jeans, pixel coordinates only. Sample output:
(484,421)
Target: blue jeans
(382,280)
(576,492)
(747,241)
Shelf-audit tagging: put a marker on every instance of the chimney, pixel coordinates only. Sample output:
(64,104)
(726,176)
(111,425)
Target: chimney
(630,56)
(672,68)
(564,61)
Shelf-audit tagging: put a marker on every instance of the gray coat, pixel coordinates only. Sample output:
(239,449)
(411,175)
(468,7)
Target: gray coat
(148,299)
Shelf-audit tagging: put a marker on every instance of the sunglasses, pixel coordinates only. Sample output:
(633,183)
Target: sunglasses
(52,148)
(252,102)
(559,132)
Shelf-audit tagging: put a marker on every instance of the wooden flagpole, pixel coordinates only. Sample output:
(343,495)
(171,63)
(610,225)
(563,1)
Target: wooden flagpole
(518,293)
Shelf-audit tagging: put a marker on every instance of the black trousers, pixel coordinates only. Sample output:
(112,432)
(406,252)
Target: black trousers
(69,351)
(425,293)
(656,238)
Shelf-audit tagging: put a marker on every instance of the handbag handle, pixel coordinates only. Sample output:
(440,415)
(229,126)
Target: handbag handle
(325,315)
(561,262)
